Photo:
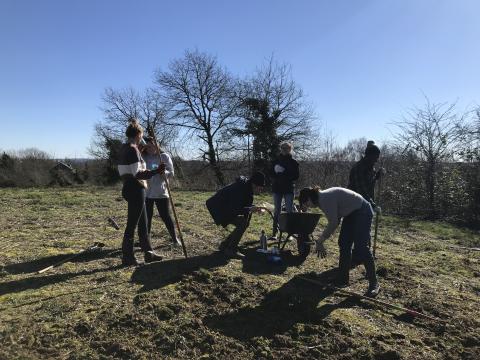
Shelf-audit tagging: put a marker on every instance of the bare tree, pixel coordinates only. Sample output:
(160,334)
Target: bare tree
(273,109)
(200,95)
(431,133)
(121,105)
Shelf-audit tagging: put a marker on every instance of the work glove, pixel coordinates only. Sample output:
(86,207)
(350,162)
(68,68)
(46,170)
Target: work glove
(378,210)
(279,169)
(320,249)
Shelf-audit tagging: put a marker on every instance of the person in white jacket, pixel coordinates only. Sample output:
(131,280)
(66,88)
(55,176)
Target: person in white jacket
(157,193)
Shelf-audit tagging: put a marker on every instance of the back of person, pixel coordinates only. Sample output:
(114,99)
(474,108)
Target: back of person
(340,200)
(230,201)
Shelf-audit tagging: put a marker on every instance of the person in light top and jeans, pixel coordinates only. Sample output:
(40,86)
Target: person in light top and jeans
(157,193)
(357,214)
(284,172)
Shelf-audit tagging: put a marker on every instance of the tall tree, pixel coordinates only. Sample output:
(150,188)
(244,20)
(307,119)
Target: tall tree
(274,109)
(200,96)
(432,134)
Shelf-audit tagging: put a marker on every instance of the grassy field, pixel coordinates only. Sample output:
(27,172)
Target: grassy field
(207,307)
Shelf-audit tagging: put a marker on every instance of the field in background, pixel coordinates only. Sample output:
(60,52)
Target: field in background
(208,307)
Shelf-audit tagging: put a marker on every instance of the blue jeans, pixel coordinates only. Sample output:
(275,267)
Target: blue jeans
(277,201)
(355,230)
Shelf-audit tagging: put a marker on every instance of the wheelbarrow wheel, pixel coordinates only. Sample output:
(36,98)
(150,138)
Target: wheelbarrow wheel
(303,245)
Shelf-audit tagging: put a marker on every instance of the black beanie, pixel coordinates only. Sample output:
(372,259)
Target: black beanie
(372,149)
(258,178)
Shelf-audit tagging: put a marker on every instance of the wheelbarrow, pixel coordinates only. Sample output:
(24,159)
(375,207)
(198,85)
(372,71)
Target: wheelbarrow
(299,226)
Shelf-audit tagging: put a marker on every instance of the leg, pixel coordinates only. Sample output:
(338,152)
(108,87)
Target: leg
(363,222)
(277,201)
(345,241)
(143,233)
(289,202)
(163,207)
(149,209)
(134,198)
(232,240)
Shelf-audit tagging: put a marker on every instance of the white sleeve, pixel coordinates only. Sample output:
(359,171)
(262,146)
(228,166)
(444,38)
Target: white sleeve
(169,171)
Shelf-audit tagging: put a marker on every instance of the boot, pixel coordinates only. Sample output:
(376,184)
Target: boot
(151,256)
(373,289)
(128,257)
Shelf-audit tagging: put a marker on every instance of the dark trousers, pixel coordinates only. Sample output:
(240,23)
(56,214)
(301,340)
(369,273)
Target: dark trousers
(163,207)
(134,194)
(355,231)
(241,224)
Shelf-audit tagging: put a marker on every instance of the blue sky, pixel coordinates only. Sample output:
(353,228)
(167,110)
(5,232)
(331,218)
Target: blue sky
(362,63)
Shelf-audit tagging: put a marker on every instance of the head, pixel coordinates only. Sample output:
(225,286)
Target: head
(286,148)
(134,131)
(372,153)
(258,181)
(151,147)
(308,197)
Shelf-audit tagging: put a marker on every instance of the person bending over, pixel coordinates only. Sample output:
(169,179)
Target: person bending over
(233,205)
(134,174)
(357,213)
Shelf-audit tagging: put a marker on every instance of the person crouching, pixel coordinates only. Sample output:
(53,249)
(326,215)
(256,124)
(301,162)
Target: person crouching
(233,205)
(357,216)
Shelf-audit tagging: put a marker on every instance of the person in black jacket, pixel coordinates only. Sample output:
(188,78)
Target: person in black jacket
(284,172)
(233,205)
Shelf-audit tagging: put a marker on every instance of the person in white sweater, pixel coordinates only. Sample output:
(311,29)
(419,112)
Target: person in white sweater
(157,193)
(337,203)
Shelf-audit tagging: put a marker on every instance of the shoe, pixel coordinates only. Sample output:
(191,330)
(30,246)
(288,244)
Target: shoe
(151,256)
(233,254)
(176,242)
(129,261)
(373,290)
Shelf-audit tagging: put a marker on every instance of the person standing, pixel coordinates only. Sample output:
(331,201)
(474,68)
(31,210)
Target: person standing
(133,172)
(363,175)
(357,214)
(157,193)
(284,172)
(233,205)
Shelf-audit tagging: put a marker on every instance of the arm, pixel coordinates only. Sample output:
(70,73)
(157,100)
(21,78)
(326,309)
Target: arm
(330,208)
(169,170)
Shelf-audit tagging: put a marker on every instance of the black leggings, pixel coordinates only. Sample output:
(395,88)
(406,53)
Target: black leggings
(137,217)
(163,207)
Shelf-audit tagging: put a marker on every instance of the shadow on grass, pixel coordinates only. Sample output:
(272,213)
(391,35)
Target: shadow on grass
(160,274)
(33,266)
(295,302)
(36,282)
(256,263)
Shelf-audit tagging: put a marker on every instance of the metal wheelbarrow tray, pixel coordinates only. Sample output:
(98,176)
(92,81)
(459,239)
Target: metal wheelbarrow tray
(299,226)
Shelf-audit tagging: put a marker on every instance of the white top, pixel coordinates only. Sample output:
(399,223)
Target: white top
(336,203)
(156,185)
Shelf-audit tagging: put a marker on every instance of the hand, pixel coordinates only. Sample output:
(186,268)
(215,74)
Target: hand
(256,209)
(378,210)
(279,169)
(161,169)
(320,249)
(380,173)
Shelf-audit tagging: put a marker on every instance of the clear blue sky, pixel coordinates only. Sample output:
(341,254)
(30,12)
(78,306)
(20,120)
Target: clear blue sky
(361,62)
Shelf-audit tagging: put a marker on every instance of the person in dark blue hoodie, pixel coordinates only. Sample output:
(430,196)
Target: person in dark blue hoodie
(233,205)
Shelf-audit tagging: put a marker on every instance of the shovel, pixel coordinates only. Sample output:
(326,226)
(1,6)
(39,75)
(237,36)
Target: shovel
(95,246)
